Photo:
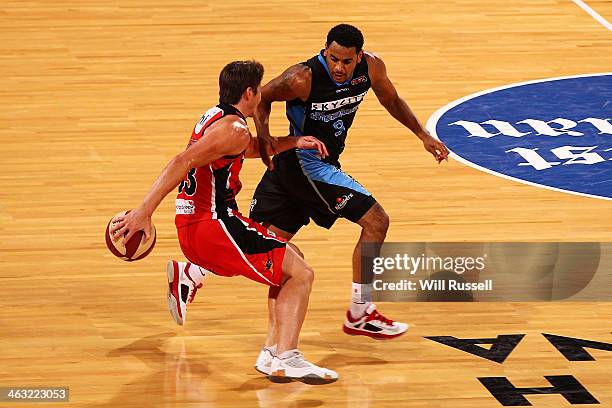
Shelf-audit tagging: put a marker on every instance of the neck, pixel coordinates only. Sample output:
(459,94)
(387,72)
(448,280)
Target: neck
(242,108)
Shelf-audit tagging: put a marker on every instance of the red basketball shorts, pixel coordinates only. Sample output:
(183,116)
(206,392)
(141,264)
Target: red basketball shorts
(234,245)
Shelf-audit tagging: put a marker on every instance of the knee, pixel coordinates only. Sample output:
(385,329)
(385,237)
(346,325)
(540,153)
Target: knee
(383,220)
(307,276)
(379,222)
(304,277)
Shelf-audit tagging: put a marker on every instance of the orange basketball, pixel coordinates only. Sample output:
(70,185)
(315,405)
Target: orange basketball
(136,248)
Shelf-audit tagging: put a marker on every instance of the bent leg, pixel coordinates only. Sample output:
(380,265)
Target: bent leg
(292,300)
(374,225)
(273,291)
(363,318)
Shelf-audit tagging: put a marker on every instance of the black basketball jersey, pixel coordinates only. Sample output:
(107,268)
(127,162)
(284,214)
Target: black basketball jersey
(329,111)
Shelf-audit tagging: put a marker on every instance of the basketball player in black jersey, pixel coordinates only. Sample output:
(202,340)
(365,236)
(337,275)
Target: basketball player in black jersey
(322,96)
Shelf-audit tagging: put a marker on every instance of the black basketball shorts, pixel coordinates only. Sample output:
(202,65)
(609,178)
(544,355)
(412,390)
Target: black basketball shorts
(302,187)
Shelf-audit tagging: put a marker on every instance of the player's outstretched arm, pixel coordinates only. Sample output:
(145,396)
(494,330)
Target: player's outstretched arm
(293,83)
(398,108)
(280,144)
(228,136)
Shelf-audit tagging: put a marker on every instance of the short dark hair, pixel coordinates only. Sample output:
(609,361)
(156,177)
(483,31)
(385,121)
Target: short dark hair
(346,35)
(236,77)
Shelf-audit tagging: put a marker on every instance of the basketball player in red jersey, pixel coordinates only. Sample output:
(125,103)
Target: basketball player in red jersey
(211,231)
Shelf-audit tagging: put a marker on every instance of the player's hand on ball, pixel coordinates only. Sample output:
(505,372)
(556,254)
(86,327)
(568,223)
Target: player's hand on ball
(311,142)
(127,225)
(435,147)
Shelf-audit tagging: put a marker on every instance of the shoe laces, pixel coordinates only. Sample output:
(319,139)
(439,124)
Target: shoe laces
(377,316)
(195,287)
(193,293)
(297,360)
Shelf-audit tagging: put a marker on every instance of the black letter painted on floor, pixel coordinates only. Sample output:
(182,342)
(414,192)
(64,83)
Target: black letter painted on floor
(573,349)
(510,396)
(501,347)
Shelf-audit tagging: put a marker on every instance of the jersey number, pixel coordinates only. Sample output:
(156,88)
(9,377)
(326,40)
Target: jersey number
(339,126)
(189,185)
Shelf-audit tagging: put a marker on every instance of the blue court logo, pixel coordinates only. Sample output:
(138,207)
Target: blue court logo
(554,133)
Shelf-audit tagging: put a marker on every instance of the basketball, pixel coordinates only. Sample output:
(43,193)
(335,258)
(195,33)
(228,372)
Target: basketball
(135,248)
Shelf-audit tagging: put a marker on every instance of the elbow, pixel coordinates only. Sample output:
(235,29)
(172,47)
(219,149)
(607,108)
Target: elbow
(393,105)
(395,101)
(182,161)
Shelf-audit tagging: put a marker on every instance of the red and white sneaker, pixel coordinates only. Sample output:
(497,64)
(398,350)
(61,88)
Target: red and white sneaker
(374,325)
(181,289)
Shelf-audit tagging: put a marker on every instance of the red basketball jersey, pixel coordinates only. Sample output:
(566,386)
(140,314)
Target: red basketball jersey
(211,189)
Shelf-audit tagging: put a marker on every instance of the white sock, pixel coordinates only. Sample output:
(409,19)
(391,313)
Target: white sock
(271,349)
(196,273)
(362,298)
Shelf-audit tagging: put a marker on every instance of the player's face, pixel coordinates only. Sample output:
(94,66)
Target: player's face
(253,100)
(341,61)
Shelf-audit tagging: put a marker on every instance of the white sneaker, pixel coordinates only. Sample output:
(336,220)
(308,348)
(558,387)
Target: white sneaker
(296,368)
(181,289)
(264,361)
(374,325)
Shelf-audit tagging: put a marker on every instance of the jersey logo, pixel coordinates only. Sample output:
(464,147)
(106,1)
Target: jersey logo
(212,113)
(359,80)
(342,201)
(185,207)
(338,103)
(332,116)
(554,133)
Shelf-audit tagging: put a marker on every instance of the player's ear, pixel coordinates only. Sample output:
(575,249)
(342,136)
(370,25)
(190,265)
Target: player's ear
(359,56)
(325,51)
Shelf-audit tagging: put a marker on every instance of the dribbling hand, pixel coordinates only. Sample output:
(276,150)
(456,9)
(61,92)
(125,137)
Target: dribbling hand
(128,224)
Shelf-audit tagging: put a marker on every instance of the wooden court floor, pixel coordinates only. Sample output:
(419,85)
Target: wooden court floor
(98,95)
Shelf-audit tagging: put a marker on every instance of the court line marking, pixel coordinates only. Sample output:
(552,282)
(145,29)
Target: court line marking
(593,14)
(433,121)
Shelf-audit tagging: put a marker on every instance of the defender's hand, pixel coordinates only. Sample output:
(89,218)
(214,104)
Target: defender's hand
(311,142)
(435,147)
